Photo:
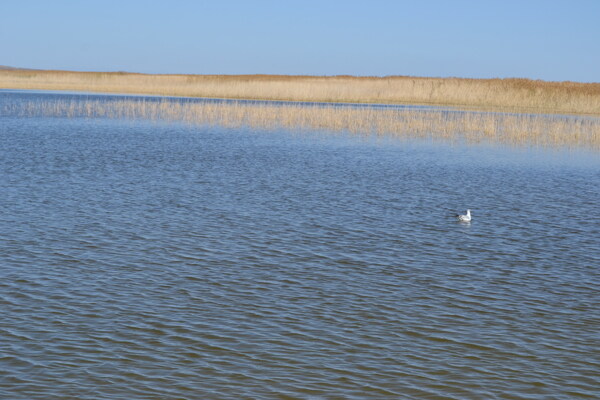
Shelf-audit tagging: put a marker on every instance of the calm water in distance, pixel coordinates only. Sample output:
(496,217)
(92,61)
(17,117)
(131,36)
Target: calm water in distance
(145,260)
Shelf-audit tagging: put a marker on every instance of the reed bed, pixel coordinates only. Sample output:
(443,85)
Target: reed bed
(506,128)
(520,95)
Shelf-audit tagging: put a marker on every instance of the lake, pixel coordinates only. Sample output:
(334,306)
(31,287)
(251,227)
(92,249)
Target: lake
(162,260)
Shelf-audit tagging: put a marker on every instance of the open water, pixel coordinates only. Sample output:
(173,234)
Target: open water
(144,260)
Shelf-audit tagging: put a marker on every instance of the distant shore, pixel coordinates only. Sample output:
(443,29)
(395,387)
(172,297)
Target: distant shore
(514,95)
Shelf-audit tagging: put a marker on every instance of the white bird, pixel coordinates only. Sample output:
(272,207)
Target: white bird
(464,217)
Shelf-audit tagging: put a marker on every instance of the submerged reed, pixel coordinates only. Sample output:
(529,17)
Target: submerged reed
(507,128)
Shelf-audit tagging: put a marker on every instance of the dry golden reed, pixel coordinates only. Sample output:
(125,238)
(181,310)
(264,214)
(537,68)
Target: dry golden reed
(521,95)
(507,128)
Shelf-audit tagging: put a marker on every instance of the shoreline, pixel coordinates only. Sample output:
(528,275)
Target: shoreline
(492,95)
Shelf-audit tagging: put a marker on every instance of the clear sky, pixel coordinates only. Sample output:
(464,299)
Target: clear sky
(550,40)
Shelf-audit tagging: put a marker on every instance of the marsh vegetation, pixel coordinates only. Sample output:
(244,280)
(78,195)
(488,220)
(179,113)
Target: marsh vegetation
(433,123)
(514,95)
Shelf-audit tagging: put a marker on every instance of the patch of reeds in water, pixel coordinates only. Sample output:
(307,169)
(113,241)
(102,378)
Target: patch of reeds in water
(506,128)
(518,95)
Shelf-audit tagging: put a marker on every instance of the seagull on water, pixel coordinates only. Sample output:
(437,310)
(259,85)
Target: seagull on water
(464,217)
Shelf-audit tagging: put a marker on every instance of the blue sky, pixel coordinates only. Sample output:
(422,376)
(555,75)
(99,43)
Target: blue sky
(550,40)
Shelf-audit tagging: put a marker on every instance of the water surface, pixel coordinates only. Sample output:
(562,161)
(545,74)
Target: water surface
(147,260)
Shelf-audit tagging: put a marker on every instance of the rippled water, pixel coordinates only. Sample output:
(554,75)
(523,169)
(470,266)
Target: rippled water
(160,261)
